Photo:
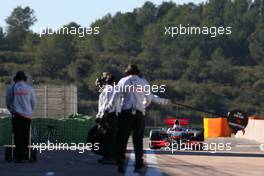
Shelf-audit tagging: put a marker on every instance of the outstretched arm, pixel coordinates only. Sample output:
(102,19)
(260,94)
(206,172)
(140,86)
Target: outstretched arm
(149,97)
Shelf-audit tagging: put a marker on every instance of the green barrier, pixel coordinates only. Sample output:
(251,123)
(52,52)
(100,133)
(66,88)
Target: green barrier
(40,125)
(66,130)
(5,131)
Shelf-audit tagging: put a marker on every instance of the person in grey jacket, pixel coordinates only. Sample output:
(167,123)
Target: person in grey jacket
(21,101)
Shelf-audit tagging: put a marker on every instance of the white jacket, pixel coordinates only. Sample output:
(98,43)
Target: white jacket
(104,99)
(133,92)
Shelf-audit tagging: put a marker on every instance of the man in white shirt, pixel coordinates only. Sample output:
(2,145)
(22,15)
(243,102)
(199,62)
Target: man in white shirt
(108,119)
(133,101)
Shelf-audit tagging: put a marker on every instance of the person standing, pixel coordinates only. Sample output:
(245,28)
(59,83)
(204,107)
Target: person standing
(108,119)
(20,101)
(133,99)
(100,82)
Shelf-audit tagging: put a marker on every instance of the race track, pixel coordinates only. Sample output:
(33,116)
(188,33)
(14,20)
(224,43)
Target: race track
(244,158)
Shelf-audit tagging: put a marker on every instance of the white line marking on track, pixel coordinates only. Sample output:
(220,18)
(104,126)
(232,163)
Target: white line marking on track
(130,165)
(50,173)
(152,164)
(153,168)
(247,145)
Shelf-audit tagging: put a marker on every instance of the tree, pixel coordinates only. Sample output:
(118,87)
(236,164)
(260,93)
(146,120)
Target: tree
(213,12)
(122,37)
(19,23)
(79,70)
(1,33)
(221,73)
(196,65)
(54,54)
(219,69)
(31,42)
(2,38)
(164,8)
(256,45)
(146,14)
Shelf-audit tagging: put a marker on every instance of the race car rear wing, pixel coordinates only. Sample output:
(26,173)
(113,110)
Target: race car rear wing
(171,121)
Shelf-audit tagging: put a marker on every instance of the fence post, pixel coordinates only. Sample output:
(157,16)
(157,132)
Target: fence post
(64,102)
(75,99)
(45,101)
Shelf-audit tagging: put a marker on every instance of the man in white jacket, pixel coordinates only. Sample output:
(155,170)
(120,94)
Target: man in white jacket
(108,118)
(133,100)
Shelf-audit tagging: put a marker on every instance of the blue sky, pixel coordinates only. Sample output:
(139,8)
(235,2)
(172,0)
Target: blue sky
(59,12)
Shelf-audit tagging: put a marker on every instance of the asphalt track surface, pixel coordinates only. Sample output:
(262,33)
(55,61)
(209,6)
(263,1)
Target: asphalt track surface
(244,158)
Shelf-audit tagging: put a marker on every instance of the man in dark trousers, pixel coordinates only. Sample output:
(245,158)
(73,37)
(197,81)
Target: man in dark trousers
(20,101)
(109,120)
(134,100)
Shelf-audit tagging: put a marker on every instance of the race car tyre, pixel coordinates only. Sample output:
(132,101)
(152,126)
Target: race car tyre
(153,147)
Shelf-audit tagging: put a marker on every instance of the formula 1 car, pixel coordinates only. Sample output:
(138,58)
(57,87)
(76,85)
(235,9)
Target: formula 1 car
(158,139)
(178,137)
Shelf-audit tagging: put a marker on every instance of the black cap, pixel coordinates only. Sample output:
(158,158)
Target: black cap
(110,79)
(132,69)
(20,76)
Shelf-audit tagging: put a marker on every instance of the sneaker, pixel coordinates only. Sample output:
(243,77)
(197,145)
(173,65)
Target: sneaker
(121,168)
(18,161)
(120,164)
(140,169)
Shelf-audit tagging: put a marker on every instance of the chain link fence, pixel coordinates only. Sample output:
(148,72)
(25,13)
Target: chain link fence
(52,101)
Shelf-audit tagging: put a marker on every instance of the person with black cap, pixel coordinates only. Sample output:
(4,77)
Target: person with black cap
(20,101)
(133,101)
(100,82)
(108,119)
